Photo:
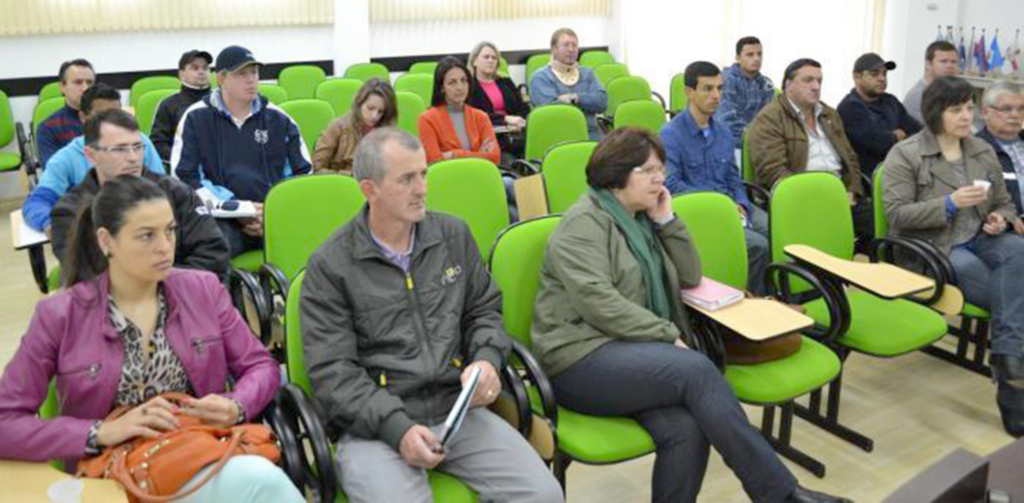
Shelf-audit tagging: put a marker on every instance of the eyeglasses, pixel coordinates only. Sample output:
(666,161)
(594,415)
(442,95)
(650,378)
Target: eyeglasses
(651,171)
(1008,109)
(121,149)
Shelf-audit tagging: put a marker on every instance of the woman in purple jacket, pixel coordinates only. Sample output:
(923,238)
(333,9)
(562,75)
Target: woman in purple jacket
(139,329)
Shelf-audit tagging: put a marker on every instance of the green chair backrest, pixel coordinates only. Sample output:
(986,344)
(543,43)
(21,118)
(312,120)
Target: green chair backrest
(274,93)
(565,173)
(472,190)
(878,204)
(146,84)
(294,356)
(339,93)
(51,90)
(366,71)
(423,67)
(410,108)
(301,212)
(300,81)
(515,267)
(642,114)
(609,72)
(717,232)
(677,99)
(313,116)
(503,66)
(43,110)
(419,84)
(748,165)
(536,62)
(594,59)
(549,125)
(627,88)
(811,209)
(6,120)
(145,111)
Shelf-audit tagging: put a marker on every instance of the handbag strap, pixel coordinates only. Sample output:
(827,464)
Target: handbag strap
(121,473)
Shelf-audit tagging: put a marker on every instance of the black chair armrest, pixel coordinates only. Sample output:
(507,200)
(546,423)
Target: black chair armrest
(524,167)
(273,281)
(243,281)
(777,277)
(660,98)
(291,451)
(513,384)
(707,338)
(758,195)
(606,123)
(297,412)
(884,250)
(536,376)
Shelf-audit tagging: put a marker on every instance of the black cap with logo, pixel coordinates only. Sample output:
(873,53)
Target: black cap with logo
(234,58)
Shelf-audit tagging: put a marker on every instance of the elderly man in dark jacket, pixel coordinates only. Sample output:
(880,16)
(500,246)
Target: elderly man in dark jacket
(1003,111)
(397,310)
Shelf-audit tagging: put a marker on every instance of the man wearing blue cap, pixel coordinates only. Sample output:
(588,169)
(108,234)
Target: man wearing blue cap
(237,145)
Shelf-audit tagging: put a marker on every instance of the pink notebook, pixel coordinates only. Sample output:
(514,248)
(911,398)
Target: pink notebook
(711,295)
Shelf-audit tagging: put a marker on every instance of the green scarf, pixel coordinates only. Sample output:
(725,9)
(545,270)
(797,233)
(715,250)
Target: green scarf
(643,242)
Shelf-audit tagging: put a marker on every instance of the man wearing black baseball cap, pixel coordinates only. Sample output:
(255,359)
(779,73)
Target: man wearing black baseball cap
(874,120)
(194,73)
(236,145)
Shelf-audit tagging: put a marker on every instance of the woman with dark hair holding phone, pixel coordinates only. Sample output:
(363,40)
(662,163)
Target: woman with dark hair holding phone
(451,129)
(139,329)
(945,186)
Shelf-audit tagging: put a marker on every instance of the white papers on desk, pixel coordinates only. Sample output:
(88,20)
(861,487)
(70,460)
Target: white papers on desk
(26,236)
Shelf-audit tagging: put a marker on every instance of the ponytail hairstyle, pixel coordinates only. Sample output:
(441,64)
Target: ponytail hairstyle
(84,259)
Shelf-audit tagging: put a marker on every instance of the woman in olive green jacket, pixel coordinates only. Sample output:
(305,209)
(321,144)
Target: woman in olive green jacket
(945,186)
(611,331)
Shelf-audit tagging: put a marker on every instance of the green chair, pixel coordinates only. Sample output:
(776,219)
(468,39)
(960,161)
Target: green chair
(717,233)
(626,88)
(145,112)
(534,63)
(312,115)
(974,321)
(298,414)
(642,114)
(43,111)
(423,67)
(410,108)
(472,190)
(366,71)
(813,209)
(565,173)
(549,125)
(146,84)
(274,93)
(594,59)
(340,93)
(420,84)
(51,90)
(503,66)
(300,81)
(299,214)
(8,160)
(609,72)
(677,99)
(515,266)
(748,165)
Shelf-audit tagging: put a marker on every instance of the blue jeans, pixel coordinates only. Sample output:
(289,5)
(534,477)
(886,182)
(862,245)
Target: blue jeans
(683,401)
(238,241)
(758,252)
(990,272)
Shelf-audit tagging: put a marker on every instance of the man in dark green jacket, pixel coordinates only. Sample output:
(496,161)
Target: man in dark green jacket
(397,308)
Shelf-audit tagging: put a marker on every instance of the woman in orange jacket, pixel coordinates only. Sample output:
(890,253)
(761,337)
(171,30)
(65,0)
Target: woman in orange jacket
(451,129)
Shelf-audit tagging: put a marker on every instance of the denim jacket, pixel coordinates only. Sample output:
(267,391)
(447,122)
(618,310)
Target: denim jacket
(698,162)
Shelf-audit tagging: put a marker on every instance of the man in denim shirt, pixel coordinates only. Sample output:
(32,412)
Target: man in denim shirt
(745,90)
(699,156)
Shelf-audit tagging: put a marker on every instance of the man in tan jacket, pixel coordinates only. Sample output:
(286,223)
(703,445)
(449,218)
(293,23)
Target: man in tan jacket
(796,132)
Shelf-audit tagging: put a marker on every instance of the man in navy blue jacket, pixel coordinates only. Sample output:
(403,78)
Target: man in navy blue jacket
(237,145)
(873,119)
(699,156)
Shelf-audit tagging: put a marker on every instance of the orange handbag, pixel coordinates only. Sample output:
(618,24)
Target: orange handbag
(155,469)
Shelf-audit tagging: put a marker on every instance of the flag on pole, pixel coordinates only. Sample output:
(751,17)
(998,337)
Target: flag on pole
(962,50)
(996,64)
(979,54)
(940,37)
(1013,52)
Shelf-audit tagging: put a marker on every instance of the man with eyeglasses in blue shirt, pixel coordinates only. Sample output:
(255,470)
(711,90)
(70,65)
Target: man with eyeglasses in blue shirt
(114,147)
(1002,107)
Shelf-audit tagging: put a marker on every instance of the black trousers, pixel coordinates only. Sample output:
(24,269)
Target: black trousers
(686,405)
